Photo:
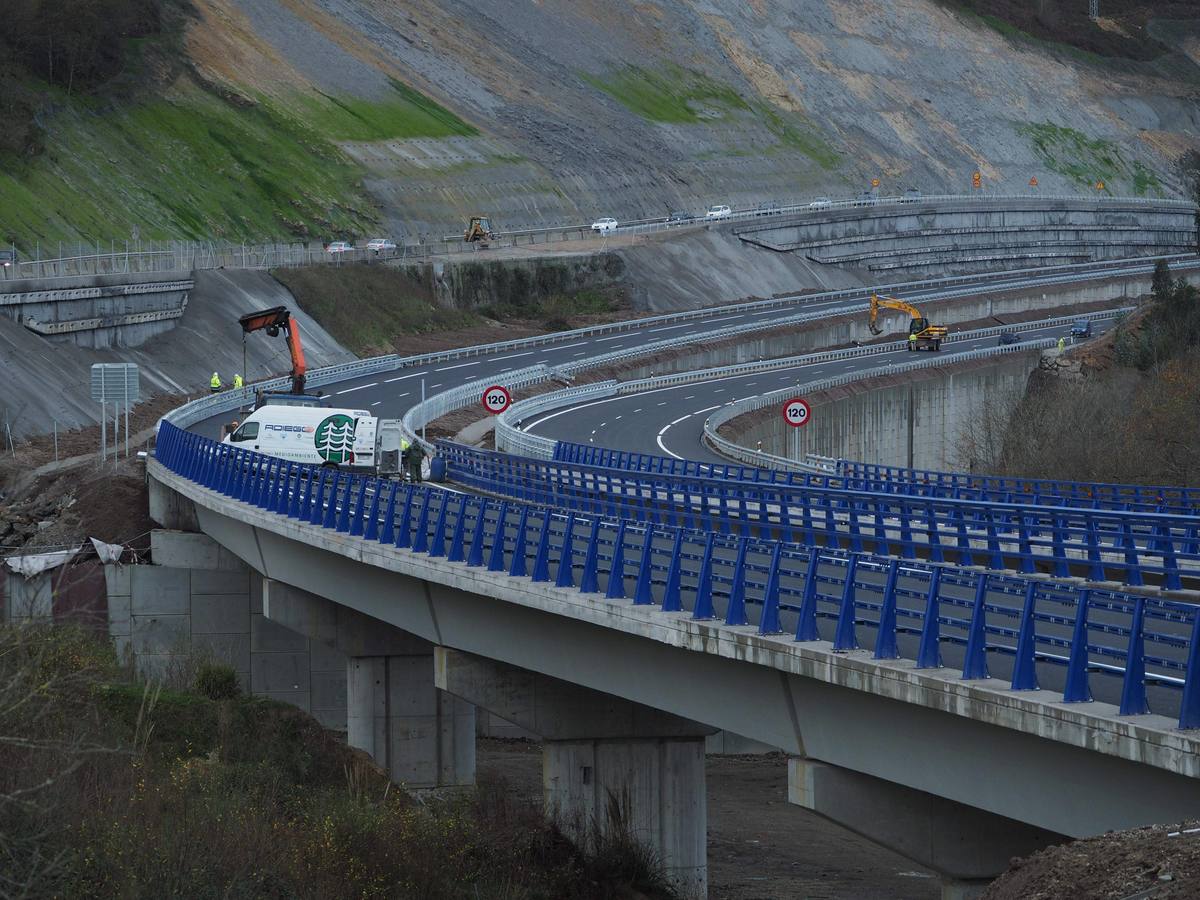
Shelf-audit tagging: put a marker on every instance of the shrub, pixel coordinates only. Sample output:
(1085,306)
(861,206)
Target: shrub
(217,682)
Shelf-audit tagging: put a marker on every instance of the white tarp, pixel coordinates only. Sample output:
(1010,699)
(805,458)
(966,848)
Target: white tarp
(36,563)
(108,553)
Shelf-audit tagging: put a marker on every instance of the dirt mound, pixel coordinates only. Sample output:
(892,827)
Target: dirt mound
(1158,862)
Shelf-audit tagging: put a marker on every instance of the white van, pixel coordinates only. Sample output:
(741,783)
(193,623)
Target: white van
(339,438)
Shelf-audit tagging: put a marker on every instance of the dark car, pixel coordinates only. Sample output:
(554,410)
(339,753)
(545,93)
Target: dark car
(8,259)
(1008,337)
(1082,328)
(679,217)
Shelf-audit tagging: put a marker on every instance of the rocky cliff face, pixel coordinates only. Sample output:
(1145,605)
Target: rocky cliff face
(576,108)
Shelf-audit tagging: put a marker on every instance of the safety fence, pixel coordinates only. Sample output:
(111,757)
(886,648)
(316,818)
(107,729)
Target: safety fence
(511,439)
(136,256)
(849,476)
(1140,497)
(1102,543)
(1031,632)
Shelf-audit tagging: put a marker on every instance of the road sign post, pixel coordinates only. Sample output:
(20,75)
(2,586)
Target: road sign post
(496,399)
(116,383)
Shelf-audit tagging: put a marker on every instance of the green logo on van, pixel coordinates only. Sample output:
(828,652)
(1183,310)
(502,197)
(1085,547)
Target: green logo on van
(334,439)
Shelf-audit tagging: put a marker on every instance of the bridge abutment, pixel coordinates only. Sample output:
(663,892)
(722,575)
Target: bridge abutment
(421,736)
(609,766)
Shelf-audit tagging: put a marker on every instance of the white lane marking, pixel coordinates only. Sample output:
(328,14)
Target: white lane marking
(665,449)
(677,421)
(601,425)
(567,346)
(402,377)
(439,384)
(615,337)
(638,410)
(664,403)
(726,319)
(514,356)
(671,327)
(459,366)
(690,397)
(376,403)
(706,409)
(405,394)
(580,353)
(359,388)
(719,390)
(617,418)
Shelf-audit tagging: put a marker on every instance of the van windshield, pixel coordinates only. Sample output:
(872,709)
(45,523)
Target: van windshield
(247,432)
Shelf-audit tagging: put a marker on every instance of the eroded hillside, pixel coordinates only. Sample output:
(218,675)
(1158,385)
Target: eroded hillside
(411,115)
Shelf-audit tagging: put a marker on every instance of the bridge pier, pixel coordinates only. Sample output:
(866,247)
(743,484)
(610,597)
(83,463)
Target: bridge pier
(607,764)
(421,736)
(967,846)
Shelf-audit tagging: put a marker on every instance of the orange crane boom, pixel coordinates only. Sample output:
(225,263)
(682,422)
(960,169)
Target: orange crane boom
(274,320)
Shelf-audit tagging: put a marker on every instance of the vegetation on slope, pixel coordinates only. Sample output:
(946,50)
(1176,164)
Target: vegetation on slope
(1132,416)
(674,95)
(1088,161)
(110,788)
(130,138)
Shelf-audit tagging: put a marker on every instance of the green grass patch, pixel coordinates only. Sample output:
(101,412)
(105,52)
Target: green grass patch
(366,306)
(192,166)
(407,114)
(798,136)
(674,95)
(1085,160)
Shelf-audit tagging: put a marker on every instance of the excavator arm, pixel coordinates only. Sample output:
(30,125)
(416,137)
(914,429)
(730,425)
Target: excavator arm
(273,321)
(878,303)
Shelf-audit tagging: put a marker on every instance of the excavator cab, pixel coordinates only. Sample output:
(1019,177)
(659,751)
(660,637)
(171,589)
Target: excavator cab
(479,229)
(916,326)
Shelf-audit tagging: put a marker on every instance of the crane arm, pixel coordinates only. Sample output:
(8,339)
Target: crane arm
(274,320)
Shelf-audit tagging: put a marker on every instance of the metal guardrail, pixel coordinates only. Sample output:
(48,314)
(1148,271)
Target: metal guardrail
(511,439)
(732,450)
(175,256)
(743,578)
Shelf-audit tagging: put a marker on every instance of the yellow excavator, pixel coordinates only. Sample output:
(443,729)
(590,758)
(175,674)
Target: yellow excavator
(479,229)
(922,335)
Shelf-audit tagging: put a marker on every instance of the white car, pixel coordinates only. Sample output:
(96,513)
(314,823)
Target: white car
(718,212)
(378,244)
(821,203)
(604,226)
(339,247)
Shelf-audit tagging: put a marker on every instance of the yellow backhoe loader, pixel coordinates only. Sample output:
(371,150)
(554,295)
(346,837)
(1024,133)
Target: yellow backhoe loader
(921,334)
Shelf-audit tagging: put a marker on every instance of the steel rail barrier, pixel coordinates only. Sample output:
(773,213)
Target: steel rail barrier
(1074,494)
(1032,628)
(984,533)
(510,438)
(198,410)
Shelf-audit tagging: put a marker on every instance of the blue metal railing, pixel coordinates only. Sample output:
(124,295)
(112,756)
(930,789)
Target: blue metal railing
(991,534)
(1034,628)
(910,482)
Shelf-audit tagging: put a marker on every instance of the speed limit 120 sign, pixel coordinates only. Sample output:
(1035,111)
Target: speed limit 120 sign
(496,399)
(797,412)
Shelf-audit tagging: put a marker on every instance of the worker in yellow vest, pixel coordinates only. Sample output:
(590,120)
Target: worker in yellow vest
(237,382)
(214,383)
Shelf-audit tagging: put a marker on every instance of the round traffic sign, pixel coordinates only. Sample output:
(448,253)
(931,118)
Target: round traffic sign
(797,412)
(496,399)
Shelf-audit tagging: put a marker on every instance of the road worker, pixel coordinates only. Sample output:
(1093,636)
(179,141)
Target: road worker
(1062,344)
(912,342)
(415,455)
(214,383)
(237,381)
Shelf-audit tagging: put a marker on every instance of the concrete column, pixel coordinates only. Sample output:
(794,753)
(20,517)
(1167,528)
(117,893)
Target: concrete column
(422,738)
(966,846)
(607,763)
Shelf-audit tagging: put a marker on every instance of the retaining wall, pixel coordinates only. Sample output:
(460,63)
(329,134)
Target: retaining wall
(912,419)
